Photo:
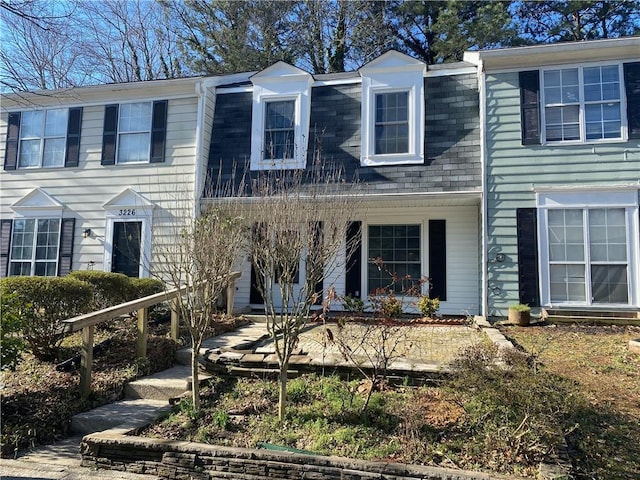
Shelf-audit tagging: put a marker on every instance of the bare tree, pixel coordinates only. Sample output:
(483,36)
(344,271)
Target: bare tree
(201,256)
(39,50)
(298,243)
(128,41)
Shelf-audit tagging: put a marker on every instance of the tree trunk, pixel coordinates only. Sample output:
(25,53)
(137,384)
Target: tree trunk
(282,394)
(195,383)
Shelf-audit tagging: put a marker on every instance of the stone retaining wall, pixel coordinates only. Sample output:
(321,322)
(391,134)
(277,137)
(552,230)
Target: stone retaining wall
(185,460)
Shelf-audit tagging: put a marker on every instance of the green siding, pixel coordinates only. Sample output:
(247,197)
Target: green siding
(514,170)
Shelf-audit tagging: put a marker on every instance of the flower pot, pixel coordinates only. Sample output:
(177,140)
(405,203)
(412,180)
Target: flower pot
(519,317)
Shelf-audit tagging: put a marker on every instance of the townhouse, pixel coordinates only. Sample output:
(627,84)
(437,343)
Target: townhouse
(409,133)
(561,140)
(511,176)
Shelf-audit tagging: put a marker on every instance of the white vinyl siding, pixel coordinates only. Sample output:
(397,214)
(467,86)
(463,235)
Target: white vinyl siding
(169,185)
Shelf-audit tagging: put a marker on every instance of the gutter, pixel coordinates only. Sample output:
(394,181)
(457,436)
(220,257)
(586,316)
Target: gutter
(201,92)
(484,282)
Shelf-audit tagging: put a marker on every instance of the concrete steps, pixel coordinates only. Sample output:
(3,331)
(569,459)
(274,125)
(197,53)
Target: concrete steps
(129,413)
(148,397)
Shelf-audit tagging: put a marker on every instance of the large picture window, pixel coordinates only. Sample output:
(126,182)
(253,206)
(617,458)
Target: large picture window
(43,138)
(588,256)
(34,247)
(394,250)
(582,104)
(134,132)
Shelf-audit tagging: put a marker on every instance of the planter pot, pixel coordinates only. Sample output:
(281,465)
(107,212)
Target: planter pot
(519,318)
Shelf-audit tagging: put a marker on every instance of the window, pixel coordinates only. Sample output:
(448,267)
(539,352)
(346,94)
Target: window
(589,247)
(134,132)
(43,138)
(588,244)
(279,130)
(392,110)
(280,116)
(392,123)
(34,247)
(582,104)
(397,247)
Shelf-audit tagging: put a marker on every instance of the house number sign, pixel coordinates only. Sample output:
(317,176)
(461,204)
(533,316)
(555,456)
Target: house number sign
(126,212)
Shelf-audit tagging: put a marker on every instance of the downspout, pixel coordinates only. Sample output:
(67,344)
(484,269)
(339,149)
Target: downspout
(201,92)
(485,204)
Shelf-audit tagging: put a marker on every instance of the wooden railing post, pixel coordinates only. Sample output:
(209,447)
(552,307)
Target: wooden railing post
(143,332)
(86,360)
(175,319)
(231,288)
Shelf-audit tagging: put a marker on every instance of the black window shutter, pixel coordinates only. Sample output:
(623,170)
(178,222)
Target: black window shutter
(530,107)
(73,137)
(527,238)
(66,246)
(109,135)
(158,131)
(353,278)
(632,86)
(5,244)
(13,136)
(438,259)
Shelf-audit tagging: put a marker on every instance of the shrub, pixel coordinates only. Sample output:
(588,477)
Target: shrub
(517,413)
(143,287)
(352,304)
(108,288)
(428,306)
(390,306)
(14,316)
(52,299)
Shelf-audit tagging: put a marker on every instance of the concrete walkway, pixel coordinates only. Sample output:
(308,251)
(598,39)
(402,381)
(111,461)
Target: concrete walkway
(148,397)
(145,399)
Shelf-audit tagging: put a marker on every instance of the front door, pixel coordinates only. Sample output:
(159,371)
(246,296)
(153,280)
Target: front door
(125,256)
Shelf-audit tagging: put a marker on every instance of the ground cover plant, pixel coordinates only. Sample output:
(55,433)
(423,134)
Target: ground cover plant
(484,418)
(604,439)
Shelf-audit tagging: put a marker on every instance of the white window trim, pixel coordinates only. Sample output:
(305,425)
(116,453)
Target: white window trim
(583,134)
(628,200)
(384,80)
(33,259)
(42,141)
(409,302)
(281,82)
(119,133)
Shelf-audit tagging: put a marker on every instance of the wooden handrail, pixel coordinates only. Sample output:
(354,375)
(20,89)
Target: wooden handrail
(88,321)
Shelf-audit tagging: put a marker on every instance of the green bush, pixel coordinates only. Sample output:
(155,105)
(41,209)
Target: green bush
(52,300)
(143,287)
(108,288)
(14,316)
(428,306)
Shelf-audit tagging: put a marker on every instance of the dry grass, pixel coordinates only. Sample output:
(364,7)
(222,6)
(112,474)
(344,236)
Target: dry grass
(605,443)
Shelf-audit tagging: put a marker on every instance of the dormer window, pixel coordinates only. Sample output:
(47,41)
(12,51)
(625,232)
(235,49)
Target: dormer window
(279,130)
(280,113)
(392,123)
(392,111)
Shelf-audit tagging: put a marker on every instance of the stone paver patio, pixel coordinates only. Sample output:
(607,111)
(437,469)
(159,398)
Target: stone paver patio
(413,349)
